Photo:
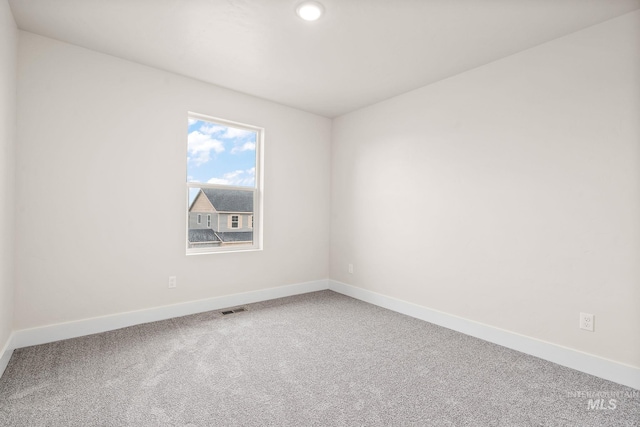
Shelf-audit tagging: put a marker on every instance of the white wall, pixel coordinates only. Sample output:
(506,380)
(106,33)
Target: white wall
(99,137)
(8,64)
(508,195)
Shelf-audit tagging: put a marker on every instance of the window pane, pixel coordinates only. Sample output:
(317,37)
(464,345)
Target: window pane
(228,212)
(223,184)
(219,154)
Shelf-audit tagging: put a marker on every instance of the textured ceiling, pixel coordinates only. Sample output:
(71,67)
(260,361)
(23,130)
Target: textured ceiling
(360,52)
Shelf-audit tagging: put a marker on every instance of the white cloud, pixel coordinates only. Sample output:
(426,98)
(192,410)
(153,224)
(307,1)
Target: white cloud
(212,129)
(219,181)
(222,131)
(247,146)
(191,121)
(245,178)
(237,133)
(200,147)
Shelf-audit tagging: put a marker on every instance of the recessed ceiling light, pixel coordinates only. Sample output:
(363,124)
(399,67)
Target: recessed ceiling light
(309,10)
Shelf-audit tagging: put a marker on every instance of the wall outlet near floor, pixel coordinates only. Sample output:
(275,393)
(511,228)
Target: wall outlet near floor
(172,281)
(586,321)
(350,268)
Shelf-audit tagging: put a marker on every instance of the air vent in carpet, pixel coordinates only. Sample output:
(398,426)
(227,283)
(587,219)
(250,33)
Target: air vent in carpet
(235,310)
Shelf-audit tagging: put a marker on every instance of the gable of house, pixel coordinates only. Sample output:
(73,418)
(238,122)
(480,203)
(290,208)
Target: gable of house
(202,204)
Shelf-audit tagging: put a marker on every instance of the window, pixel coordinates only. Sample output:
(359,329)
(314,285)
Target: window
(224,183)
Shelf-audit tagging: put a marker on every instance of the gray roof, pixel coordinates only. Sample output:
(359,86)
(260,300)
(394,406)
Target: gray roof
(236,236)
(229,200)
(206,235)
(202,235)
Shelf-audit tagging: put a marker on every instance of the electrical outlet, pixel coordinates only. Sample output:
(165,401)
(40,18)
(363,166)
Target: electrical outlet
(172,281)
(586,321)
(350,268)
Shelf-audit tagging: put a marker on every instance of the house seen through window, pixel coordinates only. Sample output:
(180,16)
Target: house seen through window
(223,184)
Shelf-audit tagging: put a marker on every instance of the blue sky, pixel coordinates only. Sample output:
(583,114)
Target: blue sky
(218,154)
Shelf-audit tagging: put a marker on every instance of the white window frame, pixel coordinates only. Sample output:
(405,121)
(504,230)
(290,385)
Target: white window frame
(208,220)
(199,218)
(258,190)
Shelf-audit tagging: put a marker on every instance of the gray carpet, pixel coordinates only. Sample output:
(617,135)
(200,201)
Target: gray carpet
(320,359)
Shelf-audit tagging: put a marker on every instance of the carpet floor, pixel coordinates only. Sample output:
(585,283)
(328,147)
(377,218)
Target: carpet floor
(319,359)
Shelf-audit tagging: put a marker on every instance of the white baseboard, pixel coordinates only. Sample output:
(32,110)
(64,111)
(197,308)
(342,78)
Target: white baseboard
(78,328)
(584,362)
(5,354)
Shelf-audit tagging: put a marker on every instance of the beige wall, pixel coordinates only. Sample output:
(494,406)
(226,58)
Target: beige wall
(100,137)
(8,63)
(515,189)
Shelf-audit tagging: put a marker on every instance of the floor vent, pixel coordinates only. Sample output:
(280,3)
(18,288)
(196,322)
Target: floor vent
(235,310)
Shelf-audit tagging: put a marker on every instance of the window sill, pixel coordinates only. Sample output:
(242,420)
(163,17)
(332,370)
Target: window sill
(210,251)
